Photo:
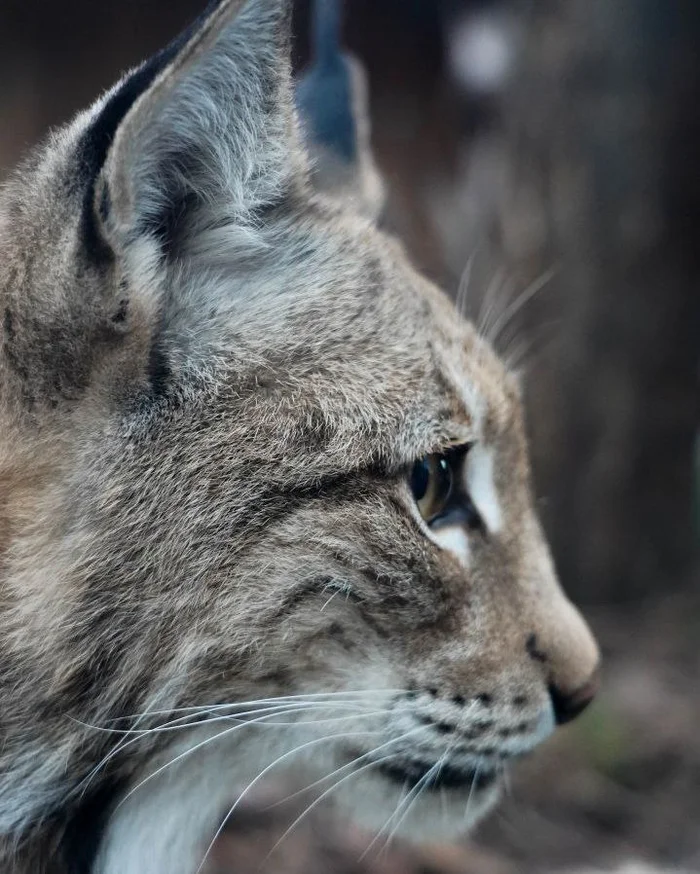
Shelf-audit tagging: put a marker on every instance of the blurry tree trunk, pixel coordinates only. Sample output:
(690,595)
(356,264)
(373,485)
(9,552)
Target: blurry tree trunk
(604,181)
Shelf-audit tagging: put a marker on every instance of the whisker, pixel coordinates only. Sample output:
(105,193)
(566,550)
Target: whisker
(268,713)
(464,285)
(339,782)
(489,301)
(517,305)
(119,746)
(475,779)
(344,767)
(278,699)
(196,718)
(439,765)
(218,736)
(403,807)
(527,352)
(298,702)
(266,771)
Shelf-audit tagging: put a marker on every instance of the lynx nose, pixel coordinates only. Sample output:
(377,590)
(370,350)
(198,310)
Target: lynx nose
(568,705)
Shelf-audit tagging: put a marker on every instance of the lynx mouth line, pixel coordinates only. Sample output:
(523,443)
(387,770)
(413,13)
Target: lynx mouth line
(410,773)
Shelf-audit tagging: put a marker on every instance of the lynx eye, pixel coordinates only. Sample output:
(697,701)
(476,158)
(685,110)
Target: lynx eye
(432,483)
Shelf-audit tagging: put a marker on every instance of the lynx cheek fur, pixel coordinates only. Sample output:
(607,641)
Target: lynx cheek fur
(225,399)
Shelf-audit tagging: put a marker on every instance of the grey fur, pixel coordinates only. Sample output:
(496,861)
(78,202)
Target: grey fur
(201,442)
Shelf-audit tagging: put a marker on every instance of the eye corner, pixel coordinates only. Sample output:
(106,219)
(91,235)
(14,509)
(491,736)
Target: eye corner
(460,443)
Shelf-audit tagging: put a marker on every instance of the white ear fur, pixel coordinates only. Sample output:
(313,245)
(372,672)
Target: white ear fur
(214,132)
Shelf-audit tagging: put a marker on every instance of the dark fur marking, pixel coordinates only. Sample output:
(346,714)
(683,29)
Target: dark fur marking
(9,350)
(97,140)
(120,316)
(168,227)
(411,773)
(82,834)
(336,630)
(8,324)
(159,371)
(537,655)
(317,587)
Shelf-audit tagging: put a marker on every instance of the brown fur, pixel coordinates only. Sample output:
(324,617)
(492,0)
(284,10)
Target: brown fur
(203,438)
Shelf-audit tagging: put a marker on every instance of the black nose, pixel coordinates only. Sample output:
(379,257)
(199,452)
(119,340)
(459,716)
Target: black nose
(569,705)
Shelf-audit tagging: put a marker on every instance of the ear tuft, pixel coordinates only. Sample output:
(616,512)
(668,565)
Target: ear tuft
(324,94)
(332,99)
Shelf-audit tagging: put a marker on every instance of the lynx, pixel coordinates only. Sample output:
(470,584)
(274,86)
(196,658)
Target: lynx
(265,498)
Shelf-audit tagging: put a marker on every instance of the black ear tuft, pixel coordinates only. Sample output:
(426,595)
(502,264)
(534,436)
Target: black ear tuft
(99,136)
(324,94)
(332,99)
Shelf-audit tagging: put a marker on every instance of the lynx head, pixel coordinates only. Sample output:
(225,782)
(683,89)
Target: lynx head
(261,486)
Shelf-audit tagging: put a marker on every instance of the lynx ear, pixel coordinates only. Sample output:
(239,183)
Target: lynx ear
(203,133)
(333,103)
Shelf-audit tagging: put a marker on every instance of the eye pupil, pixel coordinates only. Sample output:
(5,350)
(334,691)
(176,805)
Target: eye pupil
(431,484)
(420,479)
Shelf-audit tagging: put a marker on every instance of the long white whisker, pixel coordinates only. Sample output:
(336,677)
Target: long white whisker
(438,768)
(128,740)
(265,771)
(279,699)
(335,785)
(464,285)
(347,765)
(224,734)
(475,780)
(516,306)
(196,718)
(403,807)
(119,746)
(239,726)
(488,302)
(319,700)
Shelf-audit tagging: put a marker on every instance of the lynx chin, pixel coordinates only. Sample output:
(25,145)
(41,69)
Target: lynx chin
(264,497)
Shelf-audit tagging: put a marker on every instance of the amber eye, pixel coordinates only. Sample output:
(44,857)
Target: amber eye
(431,484)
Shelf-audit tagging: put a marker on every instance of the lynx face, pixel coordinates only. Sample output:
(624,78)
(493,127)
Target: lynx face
(265,498)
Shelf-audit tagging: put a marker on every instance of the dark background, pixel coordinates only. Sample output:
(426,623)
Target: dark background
(574,168)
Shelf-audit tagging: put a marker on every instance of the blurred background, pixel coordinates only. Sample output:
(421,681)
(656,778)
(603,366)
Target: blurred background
(542,159)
